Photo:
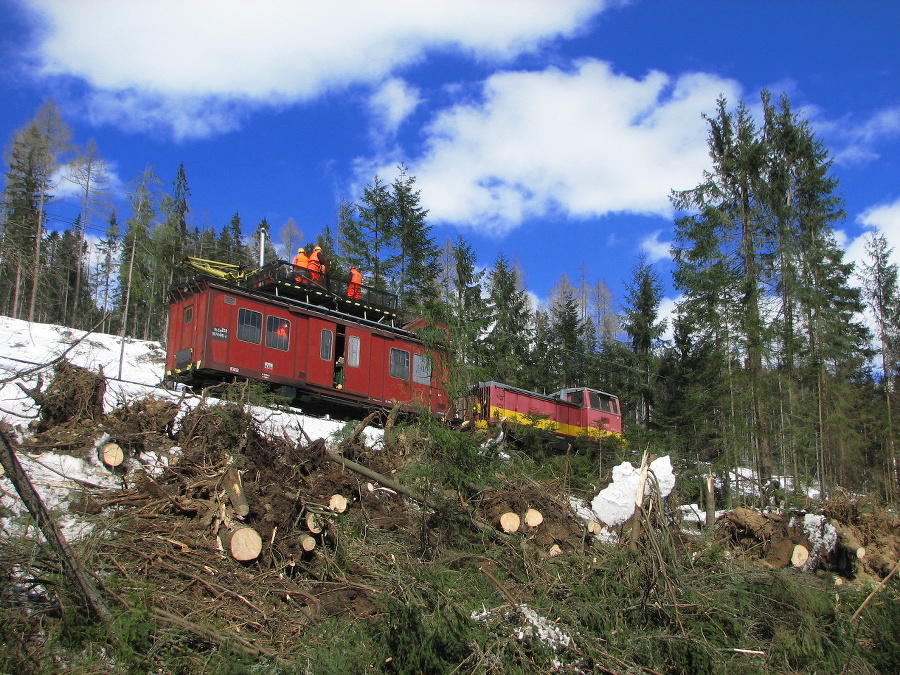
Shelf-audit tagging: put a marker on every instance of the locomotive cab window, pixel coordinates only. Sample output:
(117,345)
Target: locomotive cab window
(602,403)
(421,369)
(278,332)
(249,326)
(325,347)
(576,397)
(400,364)
(353,352)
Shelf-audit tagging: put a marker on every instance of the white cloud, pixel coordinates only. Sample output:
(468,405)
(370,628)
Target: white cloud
(857,142)
(183,54)
(884,218)
(392,103)
(668,312)
(70,188)
(655,249)
(585,142)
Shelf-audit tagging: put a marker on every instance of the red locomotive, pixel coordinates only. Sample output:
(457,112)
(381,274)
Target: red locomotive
(578,412)
(315,343)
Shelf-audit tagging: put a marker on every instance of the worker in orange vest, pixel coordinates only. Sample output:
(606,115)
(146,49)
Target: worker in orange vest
(301,261)
(354,288)
(316,265)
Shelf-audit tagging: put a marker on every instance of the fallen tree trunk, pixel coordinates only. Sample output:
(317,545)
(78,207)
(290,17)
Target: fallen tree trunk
(32,500)
(374,475)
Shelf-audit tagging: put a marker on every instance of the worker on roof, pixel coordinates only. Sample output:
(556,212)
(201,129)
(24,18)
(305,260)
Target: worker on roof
(301,261)
(354,288)
(316,265)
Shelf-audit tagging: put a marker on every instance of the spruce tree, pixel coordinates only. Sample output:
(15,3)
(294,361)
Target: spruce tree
(137,288)
(418,261)
(644,329)
(463,312)
(367,236)
(37,152)
(507,344)
(571,353)
(762,276)
(231,247)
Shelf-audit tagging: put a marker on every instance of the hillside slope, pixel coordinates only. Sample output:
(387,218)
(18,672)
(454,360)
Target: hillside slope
(234,537)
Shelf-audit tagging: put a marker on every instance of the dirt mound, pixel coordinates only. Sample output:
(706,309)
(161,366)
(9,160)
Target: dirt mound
(557,523)
(852,537)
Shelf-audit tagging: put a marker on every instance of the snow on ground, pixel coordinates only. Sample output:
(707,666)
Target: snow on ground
(134,369)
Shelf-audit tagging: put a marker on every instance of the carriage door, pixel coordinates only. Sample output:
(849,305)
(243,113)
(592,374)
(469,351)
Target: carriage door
(356,370)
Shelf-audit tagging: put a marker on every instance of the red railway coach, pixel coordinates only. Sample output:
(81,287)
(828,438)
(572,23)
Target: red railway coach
(219,331)
(576,412)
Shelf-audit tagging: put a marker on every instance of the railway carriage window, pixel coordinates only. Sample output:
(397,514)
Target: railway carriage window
(327,341)
(277,333)
(421,369)
(188,314)
(400,364)
(353,352)
(249,326)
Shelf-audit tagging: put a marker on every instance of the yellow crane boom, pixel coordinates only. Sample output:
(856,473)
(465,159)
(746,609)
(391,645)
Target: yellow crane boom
(214,268)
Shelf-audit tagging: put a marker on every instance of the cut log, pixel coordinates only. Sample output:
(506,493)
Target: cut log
(799,556)
(244,543)
(314,523)
(307,542)
(510,522)
(235,491)
(337,503)
(112,455)
(533,518)
(848,540)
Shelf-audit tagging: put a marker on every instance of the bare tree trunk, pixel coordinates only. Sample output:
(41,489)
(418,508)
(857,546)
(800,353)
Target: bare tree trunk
(37,257)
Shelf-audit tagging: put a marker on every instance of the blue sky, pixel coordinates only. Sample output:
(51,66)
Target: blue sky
(550,130)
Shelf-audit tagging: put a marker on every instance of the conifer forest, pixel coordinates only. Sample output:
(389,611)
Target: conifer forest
(769,362)
(224,538)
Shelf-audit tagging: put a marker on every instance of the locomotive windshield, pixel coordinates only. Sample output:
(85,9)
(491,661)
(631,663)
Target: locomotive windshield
(594,400)
(600,402)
